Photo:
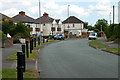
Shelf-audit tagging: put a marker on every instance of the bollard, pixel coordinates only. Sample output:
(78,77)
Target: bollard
(20,65)
(34,42)
(43,40)
(27,49)
(23,50)
(30,46)
(47,39)
(38,41)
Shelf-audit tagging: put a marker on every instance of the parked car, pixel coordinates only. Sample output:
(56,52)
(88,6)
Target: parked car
(59,37)
(93,36)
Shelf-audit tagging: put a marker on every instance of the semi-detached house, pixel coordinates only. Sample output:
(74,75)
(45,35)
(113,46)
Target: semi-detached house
(23,18)
(74,26)
(48,25)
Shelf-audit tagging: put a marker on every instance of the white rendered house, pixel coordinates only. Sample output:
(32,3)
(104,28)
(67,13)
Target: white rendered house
(74,26)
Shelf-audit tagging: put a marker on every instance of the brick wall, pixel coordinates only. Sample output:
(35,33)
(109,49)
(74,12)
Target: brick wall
(7,43)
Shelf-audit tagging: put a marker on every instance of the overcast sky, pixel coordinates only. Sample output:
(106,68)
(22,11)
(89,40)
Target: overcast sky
(86,10)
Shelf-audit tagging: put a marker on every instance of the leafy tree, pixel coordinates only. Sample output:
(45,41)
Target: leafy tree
(21,28)
(7,26)
(101,22)
(117,31)
(86,25)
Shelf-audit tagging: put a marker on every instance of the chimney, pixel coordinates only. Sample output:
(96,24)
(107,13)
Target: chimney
(22,13)
(45,14)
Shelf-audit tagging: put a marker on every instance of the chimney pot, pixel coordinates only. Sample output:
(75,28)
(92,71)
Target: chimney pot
(45,14)
(22,13)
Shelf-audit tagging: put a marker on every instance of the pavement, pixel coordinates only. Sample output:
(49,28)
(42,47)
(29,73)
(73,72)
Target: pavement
(6,52)
(75,59)
(110,43)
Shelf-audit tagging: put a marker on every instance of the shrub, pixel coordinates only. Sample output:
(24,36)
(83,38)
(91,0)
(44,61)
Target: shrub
(17,37)
(51,36)
(2,35)
(45,37)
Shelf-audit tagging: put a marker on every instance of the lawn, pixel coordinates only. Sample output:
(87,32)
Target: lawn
(32,56)
(115,50)
(11,74)
(95,43)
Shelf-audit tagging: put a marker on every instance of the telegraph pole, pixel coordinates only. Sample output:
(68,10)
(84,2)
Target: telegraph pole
(113,14)
(39,17)
(39,9)
(68,21)
(110,18)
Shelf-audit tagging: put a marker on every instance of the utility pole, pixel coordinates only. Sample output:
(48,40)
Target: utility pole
(39,9)
(68,21)
(110,18)
(113,14)
(39,17)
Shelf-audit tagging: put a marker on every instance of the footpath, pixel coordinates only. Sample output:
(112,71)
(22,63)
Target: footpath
(6,52)
(112,47)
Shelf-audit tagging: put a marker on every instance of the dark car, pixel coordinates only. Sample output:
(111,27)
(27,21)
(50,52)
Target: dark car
(59,37)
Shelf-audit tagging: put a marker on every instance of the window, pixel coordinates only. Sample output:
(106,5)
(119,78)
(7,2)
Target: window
(43,24)
(73,25)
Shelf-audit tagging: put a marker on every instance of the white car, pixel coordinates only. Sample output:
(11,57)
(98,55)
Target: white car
(93,36)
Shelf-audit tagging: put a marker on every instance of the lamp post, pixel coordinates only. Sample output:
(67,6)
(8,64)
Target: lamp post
(110,18)
(68,20)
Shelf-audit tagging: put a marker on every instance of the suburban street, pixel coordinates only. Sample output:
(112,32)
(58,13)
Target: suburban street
(75,59)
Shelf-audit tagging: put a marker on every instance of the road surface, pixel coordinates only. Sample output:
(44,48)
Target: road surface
(75,59)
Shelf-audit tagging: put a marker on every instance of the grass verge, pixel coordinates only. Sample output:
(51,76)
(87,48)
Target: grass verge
(32,56)
(95,43)
(12,74)
(115,50)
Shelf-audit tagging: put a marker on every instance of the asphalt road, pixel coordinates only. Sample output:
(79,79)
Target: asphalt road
(75,59)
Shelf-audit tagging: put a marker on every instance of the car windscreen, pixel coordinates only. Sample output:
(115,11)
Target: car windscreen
(60,34)
(92,34)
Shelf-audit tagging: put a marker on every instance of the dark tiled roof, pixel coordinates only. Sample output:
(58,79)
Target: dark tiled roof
(4,16)
(44,19)
(23,18)
(72,19)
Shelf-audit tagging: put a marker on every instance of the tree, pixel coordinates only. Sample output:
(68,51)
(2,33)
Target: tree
(7,26)
(101,22)
(86,25)
(21,28)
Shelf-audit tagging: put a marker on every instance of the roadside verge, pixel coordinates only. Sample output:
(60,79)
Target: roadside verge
(104,47)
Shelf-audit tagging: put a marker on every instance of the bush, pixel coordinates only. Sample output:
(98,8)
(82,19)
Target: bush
(51,36)
(2,35)
(21,28)
(17,37)
(45,37)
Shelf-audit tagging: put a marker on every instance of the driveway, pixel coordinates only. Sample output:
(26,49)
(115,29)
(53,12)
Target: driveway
(75,59)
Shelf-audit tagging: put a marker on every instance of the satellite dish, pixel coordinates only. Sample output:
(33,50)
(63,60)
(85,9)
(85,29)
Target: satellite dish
(8,35)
